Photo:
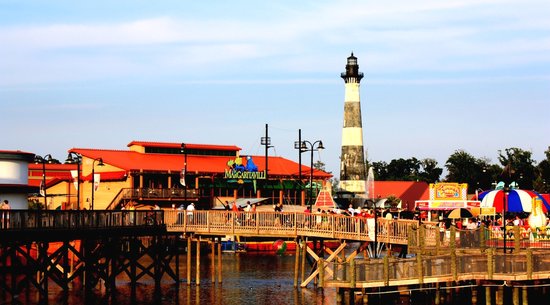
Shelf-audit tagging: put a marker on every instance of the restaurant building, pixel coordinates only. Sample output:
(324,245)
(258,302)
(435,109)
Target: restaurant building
(171,174)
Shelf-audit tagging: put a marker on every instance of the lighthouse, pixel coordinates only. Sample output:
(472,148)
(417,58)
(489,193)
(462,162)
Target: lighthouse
(352,159)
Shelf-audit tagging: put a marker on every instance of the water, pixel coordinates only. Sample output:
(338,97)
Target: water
(247,279)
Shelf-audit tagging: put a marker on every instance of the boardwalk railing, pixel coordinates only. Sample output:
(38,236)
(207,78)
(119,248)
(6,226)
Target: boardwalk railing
(418,236)
(281,224)
(460,266)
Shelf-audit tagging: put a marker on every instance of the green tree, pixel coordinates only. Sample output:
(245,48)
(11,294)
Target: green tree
(380,169)
(403,169)
(462,167)
(542,180)
(518,167)
(430,171)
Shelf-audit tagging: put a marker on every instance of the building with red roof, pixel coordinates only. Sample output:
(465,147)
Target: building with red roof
(150,173)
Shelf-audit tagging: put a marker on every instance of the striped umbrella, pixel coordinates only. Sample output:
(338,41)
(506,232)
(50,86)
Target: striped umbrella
(518,200)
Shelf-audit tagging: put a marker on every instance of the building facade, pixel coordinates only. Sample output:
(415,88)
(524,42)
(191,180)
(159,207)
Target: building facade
(171,174)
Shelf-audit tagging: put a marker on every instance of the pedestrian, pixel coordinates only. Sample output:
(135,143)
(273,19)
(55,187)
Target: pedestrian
(190,210)
(5,210)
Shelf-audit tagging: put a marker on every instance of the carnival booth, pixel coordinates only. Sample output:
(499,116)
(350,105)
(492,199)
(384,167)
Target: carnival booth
(445,197)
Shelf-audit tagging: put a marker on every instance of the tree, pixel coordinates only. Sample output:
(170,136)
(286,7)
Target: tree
(430,172)
(380,169)
(403,169)
(465,168)
(542,180)
(518,167)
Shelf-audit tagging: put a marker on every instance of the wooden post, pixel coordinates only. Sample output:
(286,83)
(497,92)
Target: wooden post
(304,253)
(321,268)
(420,269)
(529,263)
(352,279)
(219,261)
(499,295)
(213,250)
(198,260)
(437,299)
(488,296)
(296,262)
(490,263)
(189,260)
(482,241)
(525,296)
(517,239)
(515,296)
(386,271)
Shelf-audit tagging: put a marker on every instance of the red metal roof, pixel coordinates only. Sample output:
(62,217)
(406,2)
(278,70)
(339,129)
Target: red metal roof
(187,145)
(135,161)
(54,173)
(407,191)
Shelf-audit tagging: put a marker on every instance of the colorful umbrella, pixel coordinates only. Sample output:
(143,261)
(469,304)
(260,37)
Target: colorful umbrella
(517,200)
(460,213)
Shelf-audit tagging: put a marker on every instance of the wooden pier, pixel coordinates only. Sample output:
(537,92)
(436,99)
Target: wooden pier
(38,248)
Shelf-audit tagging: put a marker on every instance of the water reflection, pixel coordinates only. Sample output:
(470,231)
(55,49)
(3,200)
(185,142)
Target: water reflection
(247,279)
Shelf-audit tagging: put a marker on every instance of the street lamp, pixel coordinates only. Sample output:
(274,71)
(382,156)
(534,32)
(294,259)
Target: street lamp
(298,146)
(46,159)
(100,163)
(182,181)
(308,146)
(506,190)
(75,158)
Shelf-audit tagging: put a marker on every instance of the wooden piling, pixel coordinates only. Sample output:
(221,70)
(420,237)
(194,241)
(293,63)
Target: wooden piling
(213,250)
(198,260)
(189,260)
(296,262)
(219,261)
(525,295)
(488,296)
(515,296)
(304,253)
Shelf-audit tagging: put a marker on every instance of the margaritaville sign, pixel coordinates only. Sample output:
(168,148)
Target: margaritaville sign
(237,170)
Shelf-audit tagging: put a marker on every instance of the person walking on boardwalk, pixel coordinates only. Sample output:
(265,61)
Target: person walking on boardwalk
(190,210)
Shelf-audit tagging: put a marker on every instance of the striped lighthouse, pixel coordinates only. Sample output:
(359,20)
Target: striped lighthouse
(352,159)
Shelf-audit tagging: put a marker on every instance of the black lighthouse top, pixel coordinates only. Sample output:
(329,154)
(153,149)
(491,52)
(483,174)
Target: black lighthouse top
(352,73)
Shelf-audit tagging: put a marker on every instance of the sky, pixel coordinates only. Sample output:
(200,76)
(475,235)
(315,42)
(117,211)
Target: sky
(440,76)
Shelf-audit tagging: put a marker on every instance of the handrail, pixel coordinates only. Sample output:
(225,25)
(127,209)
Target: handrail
(420,237)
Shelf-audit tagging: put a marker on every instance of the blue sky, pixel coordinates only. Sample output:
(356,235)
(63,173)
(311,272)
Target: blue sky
(439,75)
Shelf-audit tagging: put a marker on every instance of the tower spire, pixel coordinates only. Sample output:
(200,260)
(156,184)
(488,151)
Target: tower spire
(352,159)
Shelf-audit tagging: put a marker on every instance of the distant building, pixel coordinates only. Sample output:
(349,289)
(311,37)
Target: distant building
(14,185)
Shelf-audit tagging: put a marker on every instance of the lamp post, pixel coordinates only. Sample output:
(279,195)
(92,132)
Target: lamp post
(308,146)
(75,158)
(38,159)
(298,146)
(184,151)
(100,163)
(504,208)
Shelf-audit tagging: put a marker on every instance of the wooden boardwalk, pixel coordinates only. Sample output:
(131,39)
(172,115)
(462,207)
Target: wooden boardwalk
(439,257)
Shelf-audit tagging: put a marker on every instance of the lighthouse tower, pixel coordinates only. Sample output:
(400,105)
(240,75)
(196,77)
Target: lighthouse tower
(352,159)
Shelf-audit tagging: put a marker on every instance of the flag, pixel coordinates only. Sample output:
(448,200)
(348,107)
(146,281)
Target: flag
(42,190)
(182,177)
(74,175)
(97,178)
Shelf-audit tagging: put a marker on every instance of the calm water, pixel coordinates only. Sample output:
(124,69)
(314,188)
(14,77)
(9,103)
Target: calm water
(247,279)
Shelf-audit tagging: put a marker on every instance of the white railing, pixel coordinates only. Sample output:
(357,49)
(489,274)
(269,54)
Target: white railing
(285,224)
